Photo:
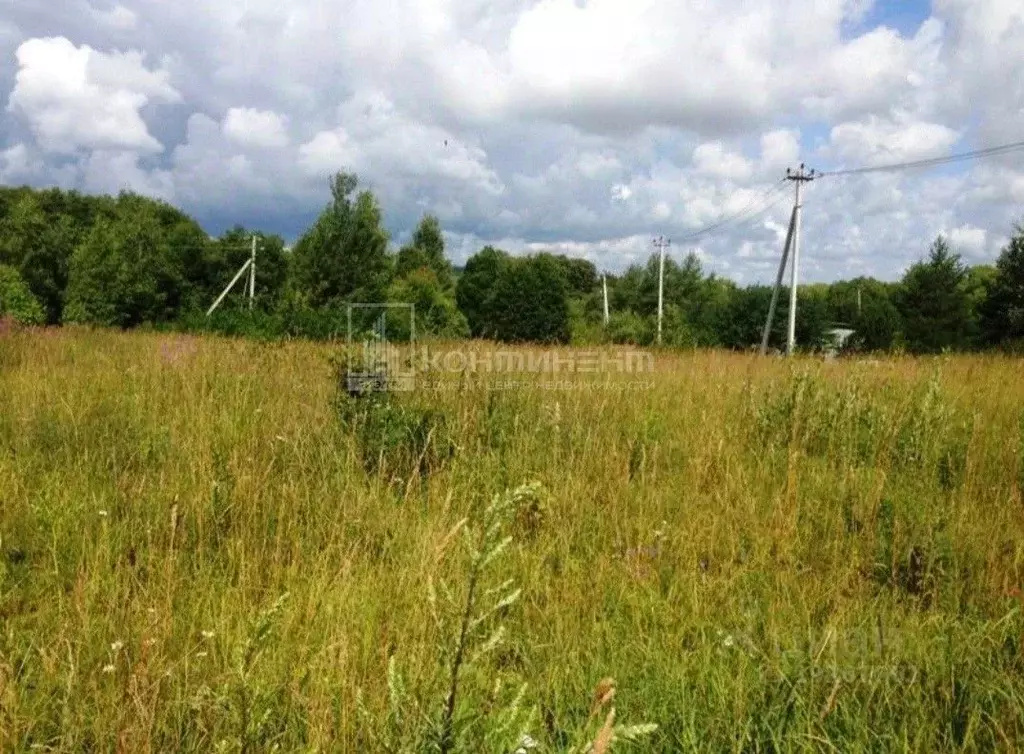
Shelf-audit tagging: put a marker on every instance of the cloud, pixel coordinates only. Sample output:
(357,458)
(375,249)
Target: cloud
(714,160)
(780,149)
(609,66)
(583,125)
(379,140)
(256,128)
(110,172)
(969,241)
(77,98)
(882,141)
(254,167)
(595,165)
(118,17)
(17,164)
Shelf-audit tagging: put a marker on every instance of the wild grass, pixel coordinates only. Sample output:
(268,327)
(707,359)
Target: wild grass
(202,549)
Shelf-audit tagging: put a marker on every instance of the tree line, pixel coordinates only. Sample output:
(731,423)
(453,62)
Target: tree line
(130,261)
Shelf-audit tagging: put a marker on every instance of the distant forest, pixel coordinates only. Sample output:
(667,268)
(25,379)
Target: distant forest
(130,261)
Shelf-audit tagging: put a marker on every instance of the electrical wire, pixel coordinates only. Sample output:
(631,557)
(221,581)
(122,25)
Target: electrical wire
(930,162)
(214,245)
(743,216)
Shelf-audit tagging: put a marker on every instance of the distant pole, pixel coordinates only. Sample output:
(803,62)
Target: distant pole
(604,282)
(660,243)
(252,273)
(799,178)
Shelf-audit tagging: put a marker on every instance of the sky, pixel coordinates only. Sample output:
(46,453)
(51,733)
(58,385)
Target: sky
(584,127)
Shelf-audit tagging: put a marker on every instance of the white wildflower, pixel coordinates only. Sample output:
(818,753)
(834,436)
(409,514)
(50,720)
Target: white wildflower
(117,646)
(208,635)
(108,668)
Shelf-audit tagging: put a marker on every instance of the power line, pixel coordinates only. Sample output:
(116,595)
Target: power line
(211,246)
(743,216)
(932,161)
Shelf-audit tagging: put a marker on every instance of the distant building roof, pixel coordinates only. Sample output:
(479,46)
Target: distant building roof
(840,335)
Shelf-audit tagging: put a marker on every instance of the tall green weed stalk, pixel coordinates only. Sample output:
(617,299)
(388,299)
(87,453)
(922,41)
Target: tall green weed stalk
(475,707)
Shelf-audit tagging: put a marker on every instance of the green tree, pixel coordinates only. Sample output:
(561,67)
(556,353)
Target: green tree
(877,326)
(344,257)
(372,267)
(409,260)
(866,306)
(812,322)
(744,313)
(580,275)
(39,244)
(977,286)
(933,301)
(530,302)
(1002,313)
(697,308)
(745,318)
(426,252)
(474,292)
(711,310)
(629,328)
(16,300)
(436,311)
(637,290)
(40,231)
(624,292)
(123,274)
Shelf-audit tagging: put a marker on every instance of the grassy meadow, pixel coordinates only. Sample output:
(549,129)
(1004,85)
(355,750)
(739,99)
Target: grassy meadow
(203,547)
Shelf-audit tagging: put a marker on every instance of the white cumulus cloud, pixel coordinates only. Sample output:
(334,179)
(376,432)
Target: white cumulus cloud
(78,98)
(880,140)
(256,128)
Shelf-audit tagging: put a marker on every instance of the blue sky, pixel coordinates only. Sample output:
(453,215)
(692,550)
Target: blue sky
(906,17)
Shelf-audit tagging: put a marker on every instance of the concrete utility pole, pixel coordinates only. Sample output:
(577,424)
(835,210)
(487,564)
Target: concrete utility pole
(778,285)
(604,282)
(799,178)
(661,243)
(252,273)
(249,283)
(248,263)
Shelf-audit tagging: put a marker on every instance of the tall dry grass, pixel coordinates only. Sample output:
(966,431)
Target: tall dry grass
(764,555)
